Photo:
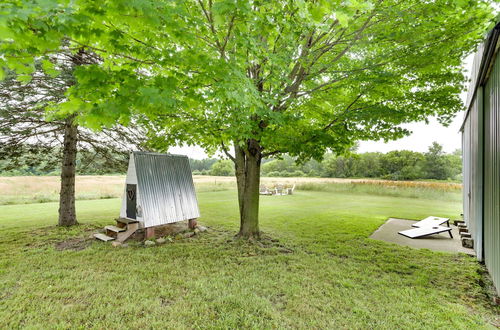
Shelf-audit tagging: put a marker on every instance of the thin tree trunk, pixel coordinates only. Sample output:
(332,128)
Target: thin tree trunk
(248,179)
(67,213)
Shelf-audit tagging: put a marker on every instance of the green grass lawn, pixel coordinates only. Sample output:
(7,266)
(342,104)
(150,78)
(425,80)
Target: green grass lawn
(316,268)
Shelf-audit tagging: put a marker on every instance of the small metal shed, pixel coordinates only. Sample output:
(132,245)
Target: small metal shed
(159,190)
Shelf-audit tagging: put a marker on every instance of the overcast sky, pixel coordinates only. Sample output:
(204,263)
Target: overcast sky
(422,137)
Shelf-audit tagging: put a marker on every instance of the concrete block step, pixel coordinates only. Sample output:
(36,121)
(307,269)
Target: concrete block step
(115,229)
(468,243)
(103,237)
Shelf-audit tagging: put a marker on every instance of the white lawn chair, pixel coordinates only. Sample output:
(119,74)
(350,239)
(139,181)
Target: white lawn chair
(279,189)
(264,191)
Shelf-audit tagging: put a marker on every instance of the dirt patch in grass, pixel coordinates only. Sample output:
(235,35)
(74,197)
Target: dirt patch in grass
(268,242)
(74,244)
(74,238)
(266,245)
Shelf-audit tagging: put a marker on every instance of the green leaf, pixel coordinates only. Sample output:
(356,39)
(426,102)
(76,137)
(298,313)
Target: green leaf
(342,18)
(49,68)
(24,78)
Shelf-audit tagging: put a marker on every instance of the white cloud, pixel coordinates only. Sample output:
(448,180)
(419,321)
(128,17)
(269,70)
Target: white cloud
(422,137)
(192,152)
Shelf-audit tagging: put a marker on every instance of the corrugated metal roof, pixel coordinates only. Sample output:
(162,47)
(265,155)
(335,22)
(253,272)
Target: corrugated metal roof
(166,189)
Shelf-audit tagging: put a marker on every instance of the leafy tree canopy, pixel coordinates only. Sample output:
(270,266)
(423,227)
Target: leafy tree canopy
(296,76)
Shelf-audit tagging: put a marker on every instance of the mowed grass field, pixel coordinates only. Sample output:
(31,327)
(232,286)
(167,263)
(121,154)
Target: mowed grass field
(314,268)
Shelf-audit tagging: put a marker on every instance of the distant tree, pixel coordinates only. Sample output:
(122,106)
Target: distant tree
(340,166)
(369,165)
(29,129)
(312,168)
(222,167)
(454,163)
(201,164)
(436,165)
(402,165)
(286,164)
(263,77)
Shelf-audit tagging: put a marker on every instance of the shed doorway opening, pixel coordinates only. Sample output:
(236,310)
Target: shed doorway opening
(132,201)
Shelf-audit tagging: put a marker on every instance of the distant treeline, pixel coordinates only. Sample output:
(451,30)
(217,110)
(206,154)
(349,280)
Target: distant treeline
(394,165)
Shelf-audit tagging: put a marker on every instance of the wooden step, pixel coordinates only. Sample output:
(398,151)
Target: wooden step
(126,220)
(103,237)
(131,229)
(115,229)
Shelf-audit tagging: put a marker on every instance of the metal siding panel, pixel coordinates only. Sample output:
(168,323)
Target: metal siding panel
(466,170)
(472,146)
(167,188)
(473,168)
(472,171)
(476,173)
(491,223)
(479,178)
(474,74)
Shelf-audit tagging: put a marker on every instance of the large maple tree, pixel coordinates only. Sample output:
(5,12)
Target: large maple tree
(255,78)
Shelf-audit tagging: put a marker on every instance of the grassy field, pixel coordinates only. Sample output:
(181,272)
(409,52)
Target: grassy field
(43,189)
(315,268)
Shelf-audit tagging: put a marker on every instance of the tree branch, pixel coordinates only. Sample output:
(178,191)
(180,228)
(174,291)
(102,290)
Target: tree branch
(226,151)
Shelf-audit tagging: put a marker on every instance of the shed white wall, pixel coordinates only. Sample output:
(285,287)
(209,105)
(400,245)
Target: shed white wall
(131,179)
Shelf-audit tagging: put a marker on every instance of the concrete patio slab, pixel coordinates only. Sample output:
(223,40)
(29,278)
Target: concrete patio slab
(388,232)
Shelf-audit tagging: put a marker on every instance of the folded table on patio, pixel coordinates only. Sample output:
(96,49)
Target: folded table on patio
(432,222)
(425,231)
(428,226)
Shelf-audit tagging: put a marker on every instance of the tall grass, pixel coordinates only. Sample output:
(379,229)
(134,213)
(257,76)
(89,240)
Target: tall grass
(409,189)
(27,190)
(214,186)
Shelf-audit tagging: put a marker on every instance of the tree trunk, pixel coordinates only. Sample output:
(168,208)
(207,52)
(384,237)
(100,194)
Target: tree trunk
(247,165)
(67,213)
